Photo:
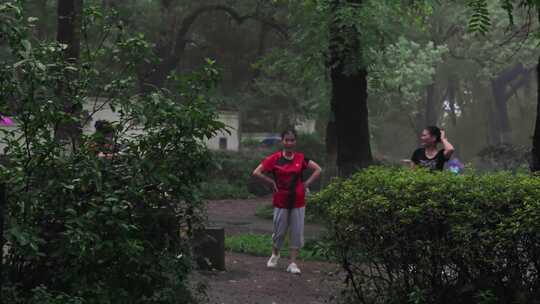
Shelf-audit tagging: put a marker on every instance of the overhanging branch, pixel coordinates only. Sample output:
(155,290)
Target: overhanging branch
(191,18)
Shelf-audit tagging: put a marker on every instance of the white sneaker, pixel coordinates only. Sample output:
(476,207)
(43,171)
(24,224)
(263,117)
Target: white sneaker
(293,269)
(272,261)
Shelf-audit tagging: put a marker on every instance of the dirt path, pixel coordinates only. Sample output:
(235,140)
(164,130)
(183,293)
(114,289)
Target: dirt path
(238,216)
(247,280)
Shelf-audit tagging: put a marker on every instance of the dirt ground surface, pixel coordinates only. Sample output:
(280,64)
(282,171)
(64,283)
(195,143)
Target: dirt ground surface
(247,280)
(238,216)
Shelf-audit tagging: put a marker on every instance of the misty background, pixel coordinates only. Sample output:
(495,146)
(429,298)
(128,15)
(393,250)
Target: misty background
(424,68)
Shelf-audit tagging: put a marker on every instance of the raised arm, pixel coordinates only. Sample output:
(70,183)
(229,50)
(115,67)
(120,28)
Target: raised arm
(447,146)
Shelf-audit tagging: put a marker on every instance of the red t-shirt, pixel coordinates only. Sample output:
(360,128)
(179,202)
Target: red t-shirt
(288,177)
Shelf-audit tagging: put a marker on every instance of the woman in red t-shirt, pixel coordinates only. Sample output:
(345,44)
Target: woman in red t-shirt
(289,202)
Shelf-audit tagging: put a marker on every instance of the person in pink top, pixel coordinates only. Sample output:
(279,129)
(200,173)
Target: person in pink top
(6,121)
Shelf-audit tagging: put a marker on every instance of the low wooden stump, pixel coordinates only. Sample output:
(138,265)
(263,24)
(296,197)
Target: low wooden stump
(210,248)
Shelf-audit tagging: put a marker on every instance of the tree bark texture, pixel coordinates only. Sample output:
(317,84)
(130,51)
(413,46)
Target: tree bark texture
(349,96)
(535,161)
(431,107)
(503,88)
(330,167)
(69,26)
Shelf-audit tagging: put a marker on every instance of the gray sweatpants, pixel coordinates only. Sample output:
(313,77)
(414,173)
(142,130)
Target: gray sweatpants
(292,219)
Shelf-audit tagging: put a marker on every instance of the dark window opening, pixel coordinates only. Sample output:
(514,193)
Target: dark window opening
(223,143)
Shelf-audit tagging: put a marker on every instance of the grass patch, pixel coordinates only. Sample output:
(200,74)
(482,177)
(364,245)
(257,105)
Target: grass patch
(261,245)
(265,211)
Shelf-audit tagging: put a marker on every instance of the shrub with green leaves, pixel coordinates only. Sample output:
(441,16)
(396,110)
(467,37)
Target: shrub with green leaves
(88,229)
(413,236)
(231,176)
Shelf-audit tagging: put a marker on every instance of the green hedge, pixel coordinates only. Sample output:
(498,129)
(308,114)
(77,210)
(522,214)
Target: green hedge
(418,237)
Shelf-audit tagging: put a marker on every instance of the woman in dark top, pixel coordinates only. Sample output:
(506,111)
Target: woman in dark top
(429,156)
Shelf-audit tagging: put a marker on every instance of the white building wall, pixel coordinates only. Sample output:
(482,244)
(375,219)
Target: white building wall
(224,140)
(228,141)
(100,110)
(306,126)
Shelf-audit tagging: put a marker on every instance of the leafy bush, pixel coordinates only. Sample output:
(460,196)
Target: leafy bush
(413,236)
(231,176)
(88,229)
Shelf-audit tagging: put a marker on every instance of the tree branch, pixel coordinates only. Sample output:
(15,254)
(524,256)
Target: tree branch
(516,86)
(510,74)
(190,19)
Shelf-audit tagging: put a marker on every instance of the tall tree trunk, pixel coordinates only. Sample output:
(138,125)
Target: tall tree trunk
(418,123)
(493,131)
(349,97)
(431,111)
(535,160)
(43,22)
(330,168)
(69,27)
(502,122)
(263,33)
(69,32)
(503,87)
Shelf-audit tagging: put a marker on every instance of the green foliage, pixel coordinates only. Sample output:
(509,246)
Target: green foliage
(480,19)
(402,71)
(295,77)
(88,229)
(261,245)
(231,175)
(292,84)
(415,236)
(481,13)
